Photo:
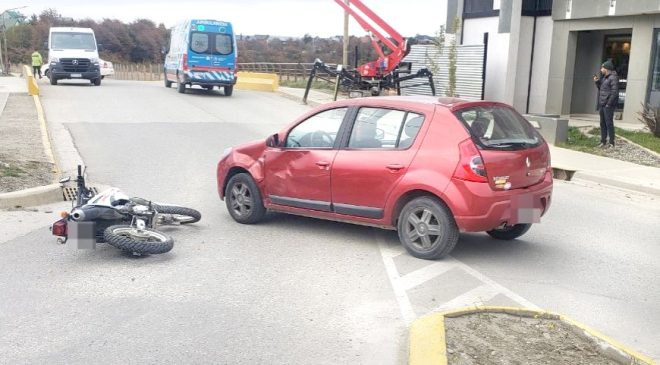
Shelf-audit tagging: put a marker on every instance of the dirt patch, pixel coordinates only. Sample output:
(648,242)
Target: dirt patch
(500,338)
(23,161)
(19,175)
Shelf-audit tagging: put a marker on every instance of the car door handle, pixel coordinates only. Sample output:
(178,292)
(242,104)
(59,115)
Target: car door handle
(322,164)
(394,167)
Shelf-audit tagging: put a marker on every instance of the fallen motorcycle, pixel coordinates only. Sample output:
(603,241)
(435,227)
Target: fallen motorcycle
(110,216)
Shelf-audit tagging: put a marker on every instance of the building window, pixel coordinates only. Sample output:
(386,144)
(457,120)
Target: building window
(537,7)
(479,9)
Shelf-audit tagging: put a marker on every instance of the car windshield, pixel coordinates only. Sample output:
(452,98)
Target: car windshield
(72,41)
(498,127)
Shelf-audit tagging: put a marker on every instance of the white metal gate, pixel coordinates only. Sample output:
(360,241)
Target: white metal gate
(469,70)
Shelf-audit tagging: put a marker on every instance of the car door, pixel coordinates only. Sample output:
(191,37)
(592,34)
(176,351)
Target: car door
(298,174)
(377,154)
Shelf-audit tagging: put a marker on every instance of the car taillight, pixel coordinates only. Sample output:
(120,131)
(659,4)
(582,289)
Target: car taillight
(470,165)
(185,62)
(59,228)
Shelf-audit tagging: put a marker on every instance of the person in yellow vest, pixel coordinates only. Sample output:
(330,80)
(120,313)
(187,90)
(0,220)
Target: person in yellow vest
(36,63)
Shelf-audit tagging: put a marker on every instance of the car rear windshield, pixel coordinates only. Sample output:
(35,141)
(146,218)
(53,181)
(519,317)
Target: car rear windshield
(211,43)
(499,127)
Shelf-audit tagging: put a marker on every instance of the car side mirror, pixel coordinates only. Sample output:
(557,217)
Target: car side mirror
(273,141)
(45,45)
(99,47)
(164,50)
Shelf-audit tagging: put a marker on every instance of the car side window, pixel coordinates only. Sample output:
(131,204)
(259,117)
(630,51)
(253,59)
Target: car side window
(384,128)
(318,131)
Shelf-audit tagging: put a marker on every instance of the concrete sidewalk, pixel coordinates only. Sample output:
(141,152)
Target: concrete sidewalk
(590,167)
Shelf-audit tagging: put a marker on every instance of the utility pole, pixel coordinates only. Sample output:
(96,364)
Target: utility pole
(345,53)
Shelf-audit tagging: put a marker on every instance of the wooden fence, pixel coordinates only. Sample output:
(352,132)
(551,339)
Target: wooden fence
(138,72)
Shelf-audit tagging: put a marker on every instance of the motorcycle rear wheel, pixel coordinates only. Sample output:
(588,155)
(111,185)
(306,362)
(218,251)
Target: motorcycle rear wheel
(139,241)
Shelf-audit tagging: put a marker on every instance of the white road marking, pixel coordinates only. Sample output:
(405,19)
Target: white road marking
(388,255)
(475,297)
(426,273)
(401,284)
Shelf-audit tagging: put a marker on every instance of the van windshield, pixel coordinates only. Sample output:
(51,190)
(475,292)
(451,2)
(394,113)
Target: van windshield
(211,43)
(498,127)
(72,41)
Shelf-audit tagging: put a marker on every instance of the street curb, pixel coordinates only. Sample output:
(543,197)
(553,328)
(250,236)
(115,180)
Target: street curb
(30,197)
(311,103)
(616,183)
(428,342)
(41,194)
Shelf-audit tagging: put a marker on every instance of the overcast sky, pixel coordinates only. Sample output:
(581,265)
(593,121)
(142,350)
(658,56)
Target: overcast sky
(285,18)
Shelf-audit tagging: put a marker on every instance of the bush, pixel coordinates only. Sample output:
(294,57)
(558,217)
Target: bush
(651,117)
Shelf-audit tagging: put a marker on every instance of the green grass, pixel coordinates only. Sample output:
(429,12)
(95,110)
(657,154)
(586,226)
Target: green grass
(644,139)
(581,142)
(589,143)
(10,171)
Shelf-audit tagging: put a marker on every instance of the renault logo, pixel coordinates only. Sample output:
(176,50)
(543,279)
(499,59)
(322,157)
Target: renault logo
(75,62)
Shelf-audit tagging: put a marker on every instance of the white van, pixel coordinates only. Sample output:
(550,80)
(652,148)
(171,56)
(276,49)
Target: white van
(73,54)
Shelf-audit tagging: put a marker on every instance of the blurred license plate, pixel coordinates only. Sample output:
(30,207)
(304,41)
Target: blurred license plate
(81,235)
(76,75)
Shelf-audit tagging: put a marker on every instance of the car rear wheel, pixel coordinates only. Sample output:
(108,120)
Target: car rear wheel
(427,228)
(510,232)
(229,90)
(243,199)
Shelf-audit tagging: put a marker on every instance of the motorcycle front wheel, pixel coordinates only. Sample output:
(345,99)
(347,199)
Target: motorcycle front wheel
(140,241)
(176,214)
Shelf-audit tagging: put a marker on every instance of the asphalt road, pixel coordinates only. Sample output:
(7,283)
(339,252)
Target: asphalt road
(291,290)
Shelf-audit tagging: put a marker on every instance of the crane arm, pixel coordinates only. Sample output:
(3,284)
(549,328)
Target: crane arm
(370,28)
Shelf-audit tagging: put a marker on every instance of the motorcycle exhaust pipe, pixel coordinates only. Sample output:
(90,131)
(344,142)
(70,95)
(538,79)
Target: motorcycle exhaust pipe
(78,215)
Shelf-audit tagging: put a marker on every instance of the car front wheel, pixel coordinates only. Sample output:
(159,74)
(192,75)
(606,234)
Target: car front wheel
(243,199)
(427,228)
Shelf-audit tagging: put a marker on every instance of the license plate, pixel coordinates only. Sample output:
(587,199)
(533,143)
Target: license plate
(81,235)
(76,75)
(526,209)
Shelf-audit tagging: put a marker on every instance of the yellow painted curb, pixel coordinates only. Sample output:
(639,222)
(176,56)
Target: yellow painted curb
(33,88)
(45,138)
(428,344)
(257,81)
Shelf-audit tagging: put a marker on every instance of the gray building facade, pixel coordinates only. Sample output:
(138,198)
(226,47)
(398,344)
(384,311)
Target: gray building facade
(587,32)
(544,53)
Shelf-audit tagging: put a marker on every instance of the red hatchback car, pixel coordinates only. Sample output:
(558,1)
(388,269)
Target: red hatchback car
(428,167)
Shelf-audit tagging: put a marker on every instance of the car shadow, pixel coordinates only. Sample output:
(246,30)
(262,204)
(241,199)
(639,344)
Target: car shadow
(205,93)
(479,245)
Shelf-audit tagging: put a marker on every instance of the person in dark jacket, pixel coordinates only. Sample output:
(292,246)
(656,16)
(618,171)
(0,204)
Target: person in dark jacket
(608,98)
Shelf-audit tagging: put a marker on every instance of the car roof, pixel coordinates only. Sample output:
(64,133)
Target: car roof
(416,102)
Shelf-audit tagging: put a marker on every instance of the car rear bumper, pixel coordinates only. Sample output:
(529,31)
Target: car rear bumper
(479,208)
